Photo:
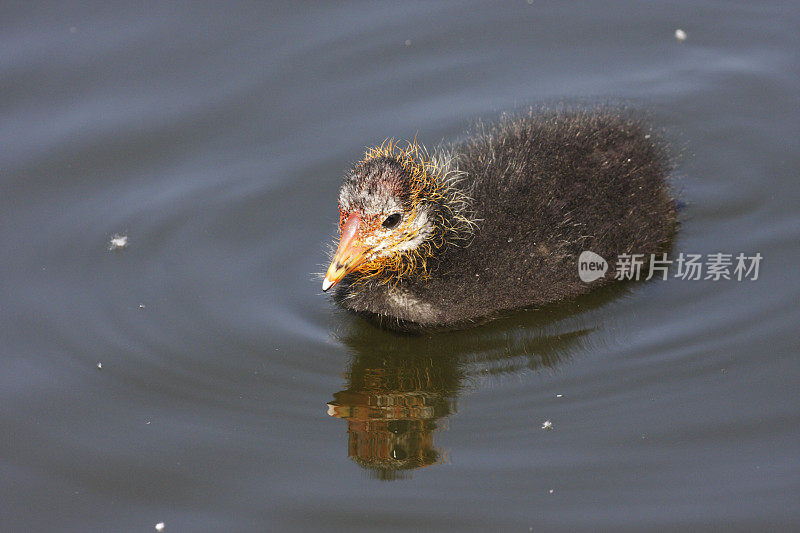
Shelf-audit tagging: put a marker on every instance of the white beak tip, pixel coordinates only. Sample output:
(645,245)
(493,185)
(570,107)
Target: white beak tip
(326,284)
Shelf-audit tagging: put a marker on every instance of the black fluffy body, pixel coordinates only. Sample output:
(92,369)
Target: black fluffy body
(544,188)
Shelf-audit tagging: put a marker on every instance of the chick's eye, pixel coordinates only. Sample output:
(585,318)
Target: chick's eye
(392,221)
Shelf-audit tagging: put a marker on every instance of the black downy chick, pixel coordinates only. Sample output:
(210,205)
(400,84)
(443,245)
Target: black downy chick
(498,221)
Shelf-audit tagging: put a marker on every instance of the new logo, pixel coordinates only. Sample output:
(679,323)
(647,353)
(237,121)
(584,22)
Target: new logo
(591,266)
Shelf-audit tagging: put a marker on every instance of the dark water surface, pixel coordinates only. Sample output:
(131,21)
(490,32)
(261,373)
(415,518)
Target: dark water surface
(215,139)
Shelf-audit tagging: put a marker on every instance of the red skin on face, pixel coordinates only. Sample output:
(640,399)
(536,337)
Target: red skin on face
(369,224)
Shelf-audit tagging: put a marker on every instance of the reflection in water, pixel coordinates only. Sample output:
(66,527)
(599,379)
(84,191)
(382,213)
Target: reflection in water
(400,387)
(392,406)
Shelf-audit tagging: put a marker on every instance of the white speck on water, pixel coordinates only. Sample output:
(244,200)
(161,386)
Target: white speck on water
(118,242)
(408,42)
(680,35)
(141,306)
(559,395)
(160,526)
(99,365)
(550,491)
(548,425)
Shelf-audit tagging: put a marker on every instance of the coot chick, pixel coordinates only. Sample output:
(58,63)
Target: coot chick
(498,221)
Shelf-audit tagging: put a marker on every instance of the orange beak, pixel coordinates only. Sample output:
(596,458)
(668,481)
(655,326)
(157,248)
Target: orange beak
(349,255)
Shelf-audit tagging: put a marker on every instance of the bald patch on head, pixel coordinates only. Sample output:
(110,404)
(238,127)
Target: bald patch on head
(376,186)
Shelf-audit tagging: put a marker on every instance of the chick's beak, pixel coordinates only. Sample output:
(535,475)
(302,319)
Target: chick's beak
(349,255)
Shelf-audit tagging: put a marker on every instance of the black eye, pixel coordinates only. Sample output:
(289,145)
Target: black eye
(392,220)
